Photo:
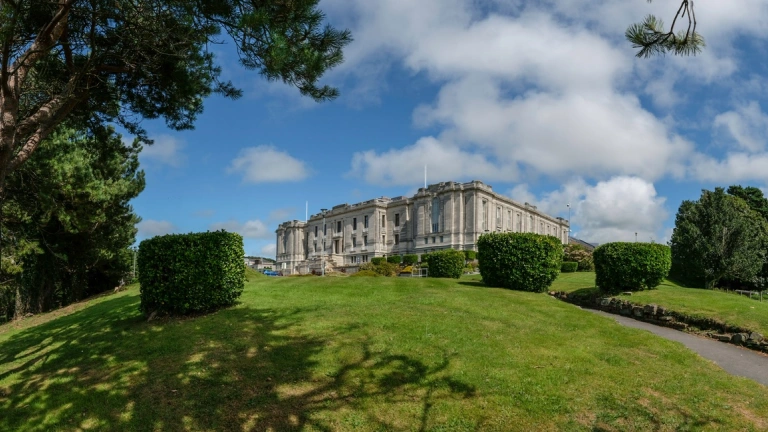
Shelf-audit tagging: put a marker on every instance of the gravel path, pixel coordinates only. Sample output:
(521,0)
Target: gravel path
(733,359)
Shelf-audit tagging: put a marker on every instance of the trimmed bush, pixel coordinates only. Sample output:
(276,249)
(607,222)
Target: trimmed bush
(519,261)
(189,273)
(410,260)
(446,264)
(383,268)
(470,255)
(425,257)
(394,259)
(625,266)
(378,260)
(569,267)
(407,270)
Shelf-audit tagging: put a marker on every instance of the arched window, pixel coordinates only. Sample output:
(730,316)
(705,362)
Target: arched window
(435,214)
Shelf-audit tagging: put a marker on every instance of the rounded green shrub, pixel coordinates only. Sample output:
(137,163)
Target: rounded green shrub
(470,255)
(519,261)
(394,259)
(623,266)
(569,267)
(425,257)
(410,260)
(378,260)
(188,273)
(446,264)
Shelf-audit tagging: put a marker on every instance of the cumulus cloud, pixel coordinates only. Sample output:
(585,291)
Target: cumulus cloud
(150,228)
(611,210)
(281,214)
(252,229)
(746,126)
(548,87)
(266,163)
(444,162)
(268,251)
(510,99)
(166,150)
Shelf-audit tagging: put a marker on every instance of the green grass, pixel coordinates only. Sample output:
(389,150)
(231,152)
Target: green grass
(727,307)
(362,354)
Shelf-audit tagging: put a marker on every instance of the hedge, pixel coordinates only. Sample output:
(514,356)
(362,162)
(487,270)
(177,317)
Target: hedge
(470,255)
(425,257)
(446,264)
(366,273)
(378,260)
(383,268)
(188,273)
(519,261)
(625,266)
(569,267)
(410,259)
(394,259)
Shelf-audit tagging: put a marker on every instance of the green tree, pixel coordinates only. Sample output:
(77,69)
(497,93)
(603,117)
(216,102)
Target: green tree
(103,62)
(69,211)
(651,37)
(753,197)
(719,236)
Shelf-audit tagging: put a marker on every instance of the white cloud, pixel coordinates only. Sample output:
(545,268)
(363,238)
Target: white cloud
(406,166)
(612,210)
(268,251)
(747,126)
(150,228)
(281,214)
(265,163)
(166,150)
(737,166)
(252,229)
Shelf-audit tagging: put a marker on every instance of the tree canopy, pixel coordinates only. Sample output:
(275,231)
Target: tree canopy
(102,62)
(719,236)
(67,222)
(651,37)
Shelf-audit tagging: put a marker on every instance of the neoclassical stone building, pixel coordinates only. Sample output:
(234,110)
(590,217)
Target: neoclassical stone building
(441,216)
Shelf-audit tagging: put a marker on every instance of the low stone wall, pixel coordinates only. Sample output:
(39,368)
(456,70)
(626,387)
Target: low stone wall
(662,316)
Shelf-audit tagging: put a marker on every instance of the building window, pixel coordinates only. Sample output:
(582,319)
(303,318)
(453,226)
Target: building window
(441,239)
(315,230)
(397,239)
(325,230)
(426,240)
(365,222)
(433,239)
(397,219)
(315,247)
(383,240)
(365,258)
(365,240)
(338,226)
(383,221)
(354,241)
(354,224)
(285,243)
(435,215)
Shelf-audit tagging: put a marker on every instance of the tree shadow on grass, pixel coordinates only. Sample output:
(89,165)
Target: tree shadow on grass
(241,368)
(474,284)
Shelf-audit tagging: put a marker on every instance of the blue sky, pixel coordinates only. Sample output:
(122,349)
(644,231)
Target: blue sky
(543,100)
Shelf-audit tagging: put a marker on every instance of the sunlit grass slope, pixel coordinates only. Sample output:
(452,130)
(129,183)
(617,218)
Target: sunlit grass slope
(362,354)
(727,307)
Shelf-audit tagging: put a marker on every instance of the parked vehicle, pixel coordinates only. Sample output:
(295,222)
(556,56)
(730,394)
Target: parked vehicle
(271,273)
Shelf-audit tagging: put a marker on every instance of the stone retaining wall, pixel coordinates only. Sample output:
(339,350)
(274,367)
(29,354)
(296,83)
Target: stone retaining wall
(662,316)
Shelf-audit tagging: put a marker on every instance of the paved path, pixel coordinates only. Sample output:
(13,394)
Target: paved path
(735,360)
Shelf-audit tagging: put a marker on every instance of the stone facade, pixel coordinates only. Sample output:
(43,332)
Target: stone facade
(441,216)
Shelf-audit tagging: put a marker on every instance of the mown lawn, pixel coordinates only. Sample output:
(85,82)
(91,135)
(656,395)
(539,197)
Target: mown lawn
(727,307)
(362,354)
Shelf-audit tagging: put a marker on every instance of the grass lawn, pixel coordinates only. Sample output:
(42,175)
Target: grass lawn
(727,307)
(362,354)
